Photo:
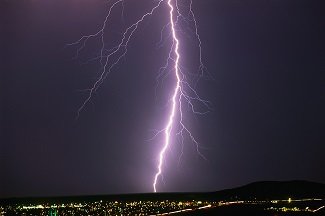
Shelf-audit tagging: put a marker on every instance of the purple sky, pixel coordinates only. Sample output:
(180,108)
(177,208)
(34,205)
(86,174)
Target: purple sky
(267,93)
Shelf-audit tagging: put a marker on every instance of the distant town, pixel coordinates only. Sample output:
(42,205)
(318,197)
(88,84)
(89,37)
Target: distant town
(164,207)
(298,198)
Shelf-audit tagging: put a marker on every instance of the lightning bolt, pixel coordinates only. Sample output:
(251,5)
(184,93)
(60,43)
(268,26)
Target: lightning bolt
(177,91)
(109,58)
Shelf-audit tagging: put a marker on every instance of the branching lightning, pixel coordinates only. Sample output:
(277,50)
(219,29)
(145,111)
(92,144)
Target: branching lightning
(182,92)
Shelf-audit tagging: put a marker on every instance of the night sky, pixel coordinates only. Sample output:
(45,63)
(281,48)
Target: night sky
(266,60)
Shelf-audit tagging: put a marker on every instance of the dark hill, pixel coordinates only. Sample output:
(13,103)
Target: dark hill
(276,190)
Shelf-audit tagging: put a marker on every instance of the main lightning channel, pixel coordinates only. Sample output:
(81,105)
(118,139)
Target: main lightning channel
(182,91)
(177,91)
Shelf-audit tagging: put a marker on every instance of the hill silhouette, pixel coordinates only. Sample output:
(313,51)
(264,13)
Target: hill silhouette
(275,190)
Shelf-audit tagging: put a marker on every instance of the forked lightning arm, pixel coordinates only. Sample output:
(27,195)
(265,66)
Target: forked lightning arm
(182,89)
